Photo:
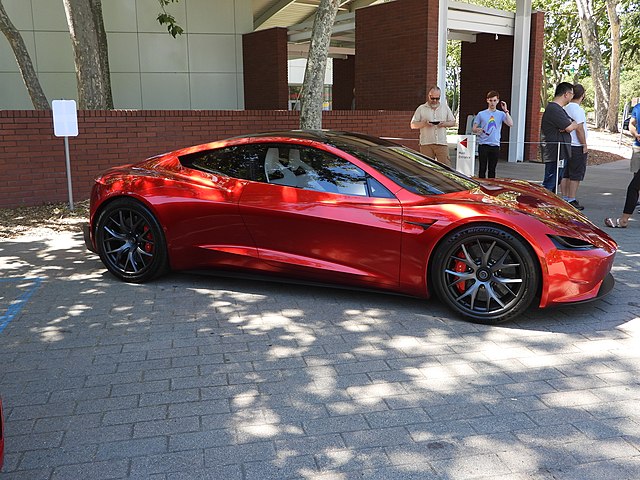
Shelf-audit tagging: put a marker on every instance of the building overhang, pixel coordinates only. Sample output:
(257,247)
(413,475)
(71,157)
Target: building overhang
(464,22)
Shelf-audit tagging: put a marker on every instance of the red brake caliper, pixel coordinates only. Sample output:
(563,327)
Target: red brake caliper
(461,267)
(147,235)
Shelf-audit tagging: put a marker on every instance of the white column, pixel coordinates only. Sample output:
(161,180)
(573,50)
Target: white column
(518,107)
(442,44)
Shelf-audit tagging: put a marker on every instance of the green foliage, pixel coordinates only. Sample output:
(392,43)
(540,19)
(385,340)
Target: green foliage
(169,20)
(508,5)
(629,85)
(629,88)
(630,40)
(452,87)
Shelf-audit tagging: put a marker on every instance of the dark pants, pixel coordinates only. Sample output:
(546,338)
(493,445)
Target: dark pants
(488,156)
(633,192)
(550,181)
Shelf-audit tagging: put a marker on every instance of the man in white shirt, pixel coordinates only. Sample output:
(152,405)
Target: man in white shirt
(433,118)
(576,165)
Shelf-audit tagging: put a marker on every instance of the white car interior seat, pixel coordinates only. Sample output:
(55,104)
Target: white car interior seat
(306,176)
(275,171)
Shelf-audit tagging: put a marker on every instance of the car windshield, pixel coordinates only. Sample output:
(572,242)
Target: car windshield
(413,171)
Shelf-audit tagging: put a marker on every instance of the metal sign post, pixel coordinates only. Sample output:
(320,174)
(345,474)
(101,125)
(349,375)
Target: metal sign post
(559,165)
(65,124)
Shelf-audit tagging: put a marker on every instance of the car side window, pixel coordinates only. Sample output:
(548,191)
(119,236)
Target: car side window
(313,169)
(239,161)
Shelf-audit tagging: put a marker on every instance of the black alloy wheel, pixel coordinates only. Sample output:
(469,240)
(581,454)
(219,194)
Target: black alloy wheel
(130,241)
(485,273)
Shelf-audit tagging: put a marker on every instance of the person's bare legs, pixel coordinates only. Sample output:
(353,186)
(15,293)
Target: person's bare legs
(572,187)
(564,188)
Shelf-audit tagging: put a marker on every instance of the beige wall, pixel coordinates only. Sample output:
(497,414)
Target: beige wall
(202,69)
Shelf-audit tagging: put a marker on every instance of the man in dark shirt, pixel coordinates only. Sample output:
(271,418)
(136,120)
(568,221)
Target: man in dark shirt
(555,135)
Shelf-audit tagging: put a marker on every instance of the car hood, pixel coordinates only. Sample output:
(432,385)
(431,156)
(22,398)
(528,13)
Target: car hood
(537,201)
(517,204)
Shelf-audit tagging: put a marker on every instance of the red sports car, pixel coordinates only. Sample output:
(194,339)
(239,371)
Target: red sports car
(349,209)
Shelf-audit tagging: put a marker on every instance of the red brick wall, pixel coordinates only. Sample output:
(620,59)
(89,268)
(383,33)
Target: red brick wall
(487,65)
(32,159)
(343,82)
(397,59)
(534,85)
(266,84)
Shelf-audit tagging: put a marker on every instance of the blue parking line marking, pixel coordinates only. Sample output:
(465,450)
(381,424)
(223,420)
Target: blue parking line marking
(16,305)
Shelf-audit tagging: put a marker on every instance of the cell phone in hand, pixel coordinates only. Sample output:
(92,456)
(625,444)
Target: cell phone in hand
(434,123)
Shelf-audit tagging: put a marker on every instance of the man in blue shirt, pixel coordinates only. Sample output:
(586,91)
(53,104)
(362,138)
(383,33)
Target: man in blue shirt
(488,126)
(633,190)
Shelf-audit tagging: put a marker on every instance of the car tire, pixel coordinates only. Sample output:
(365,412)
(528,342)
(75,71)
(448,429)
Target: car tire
(131,242)
(485,273)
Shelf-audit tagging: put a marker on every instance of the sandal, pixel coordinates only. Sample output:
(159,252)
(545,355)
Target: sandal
(613,223)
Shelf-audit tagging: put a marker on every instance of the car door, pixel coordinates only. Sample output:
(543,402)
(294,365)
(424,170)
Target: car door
(319,216)
(208,228)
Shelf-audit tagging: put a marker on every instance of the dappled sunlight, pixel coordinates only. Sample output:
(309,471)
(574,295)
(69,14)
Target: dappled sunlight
(50,334)
(90,276)
(11,263)
(250,433)
(317,381)
(632,327)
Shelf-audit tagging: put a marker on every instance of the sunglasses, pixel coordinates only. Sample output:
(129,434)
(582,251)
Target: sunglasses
(434,98)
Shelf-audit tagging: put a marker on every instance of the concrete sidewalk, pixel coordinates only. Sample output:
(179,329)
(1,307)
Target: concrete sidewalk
(195,377)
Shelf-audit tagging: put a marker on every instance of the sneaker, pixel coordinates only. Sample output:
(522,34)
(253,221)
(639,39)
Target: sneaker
(575,204)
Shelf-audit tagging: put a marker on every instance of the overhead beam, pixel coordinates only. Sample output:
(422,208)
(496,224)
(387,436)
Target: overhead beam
(302,51)
(306,35)
(270,12)
(353,6)
(485,20)
(462,36)
(340,18)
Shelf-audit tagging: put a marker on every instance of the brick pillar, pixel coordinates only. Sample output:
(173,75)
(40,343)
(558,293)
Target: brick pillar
(264,55)
(343,82)
(487,65)
(397,54)
(534,86)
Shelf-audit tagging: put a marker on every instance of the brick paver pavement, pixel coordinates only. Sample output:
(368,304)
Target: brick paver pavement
(199,377)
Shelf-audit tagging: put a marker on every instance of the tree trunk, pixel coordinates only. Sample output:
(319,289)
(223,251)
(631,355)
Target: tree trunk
(614,78)
(592,47)
(96,8)
(23,59)
(313,84)
(89,44)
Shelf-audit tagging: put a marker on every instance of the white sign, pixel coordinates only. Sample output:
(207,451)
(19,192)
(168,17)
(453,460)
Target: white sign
(466,157)
(65,118)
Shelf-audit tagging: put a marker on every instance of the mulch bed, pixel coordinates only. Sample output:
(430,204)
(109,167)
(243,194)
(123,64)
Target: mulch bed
(598,157)
(57,217)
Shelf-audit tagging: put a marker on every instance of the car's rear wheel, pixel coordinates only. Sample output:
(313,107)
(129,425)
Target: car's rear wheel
(485,273)
(130,241)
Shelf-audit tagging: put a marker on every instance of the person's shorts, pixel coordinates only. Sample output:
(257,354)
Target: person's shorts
(576,166)
(635,159)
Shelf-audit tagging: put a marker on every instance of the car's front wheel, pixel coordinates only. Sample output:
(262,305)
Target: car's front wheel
(485,273)
(130,241)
